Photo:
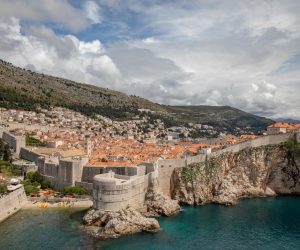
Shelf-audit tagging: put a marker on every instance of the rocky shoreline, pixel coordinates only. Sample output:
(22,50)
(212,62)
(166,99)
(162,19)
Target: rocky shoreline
(113,224)
(254,172)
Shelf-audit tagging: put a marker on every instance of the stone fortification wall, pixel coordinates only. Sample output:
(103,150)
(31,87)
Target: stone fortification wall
(51,169)
(261,141)
(2,129)
(62,173)
(14,142)
(297,136)
(166,167)
(25,167)
(29,155)
(69,171)
(165,170)
(113,192)
(41,165)
(12,203)
(90,171)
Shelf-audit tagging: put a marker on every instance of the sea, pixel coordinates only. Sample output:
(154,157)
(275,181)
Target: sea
(258,223)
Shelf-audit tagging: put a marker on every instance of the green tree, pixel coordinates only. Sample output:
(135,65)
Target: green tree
(75,190)
(29,188)
(46,185)
(34,177)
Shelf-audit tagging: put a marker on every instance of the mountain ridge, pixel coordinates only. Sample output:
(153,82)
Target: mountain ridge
(21,88)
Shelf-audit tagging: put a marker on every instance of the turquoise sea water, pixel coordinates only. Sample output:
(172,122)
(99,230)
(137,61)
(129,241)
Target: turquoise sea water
(271,223)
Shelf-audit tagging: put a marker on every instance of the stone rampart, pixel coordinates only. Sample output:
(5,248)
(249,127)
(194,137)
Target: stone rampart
(165,170)
(113,192)
(29,155)
(69,171)
(13,141)
(166,167)
(12,203)
(297,137)
(90,171)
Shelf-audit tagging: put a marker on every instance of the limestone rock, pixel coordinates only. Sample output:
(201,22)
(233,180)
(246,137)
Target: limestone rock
(270,192)
(252,172)
(102,224)
(158,204)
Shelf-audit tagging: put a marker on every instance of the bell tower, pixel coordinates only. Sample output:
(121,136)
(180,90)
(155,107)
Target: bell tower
(88,146)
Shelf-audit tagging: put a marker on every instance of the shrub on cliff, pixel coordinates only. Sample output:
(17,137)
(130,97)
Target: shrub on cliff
(293,149)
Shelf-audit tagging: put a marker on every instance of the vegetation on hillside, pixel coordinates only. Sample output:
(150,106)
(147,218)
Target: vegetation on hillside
(24,89)
(31,141)
(293,151)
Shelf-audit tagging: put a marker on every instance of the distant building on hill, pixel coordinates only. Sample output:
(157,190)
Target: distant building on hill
(282,128)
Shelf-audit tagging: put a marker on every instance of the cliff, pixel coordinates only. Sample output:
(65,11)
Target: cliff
(252,172)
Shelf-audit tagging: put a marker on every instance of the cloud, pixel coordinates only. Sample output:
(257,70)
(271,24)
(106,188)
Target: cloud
(239,53)
(66,56)
(57,12)
(92,11)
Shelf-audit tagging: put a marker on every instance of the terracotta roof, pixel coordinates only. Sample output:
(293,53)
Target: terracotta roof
(288,126)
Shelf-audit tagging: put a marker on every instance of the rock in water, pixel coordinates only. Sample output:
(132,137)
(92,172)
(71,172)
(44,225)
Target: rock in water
(158,204)
(102,224)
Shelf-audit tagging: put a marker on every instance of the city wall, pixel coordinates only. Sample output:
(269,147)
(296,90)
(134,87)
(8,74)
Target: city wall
(29,155)
(14,142)
(129,184)
(166,167)
(12,203)
(113,192)
(90,171)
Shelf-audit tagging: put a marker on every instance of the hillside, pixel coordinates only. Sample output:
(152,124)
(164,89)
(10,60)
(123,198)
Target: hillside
(219,116)
(24,89)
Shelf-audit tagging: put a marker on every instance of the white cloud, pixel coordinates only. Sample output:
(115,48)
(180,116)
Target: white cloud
(66,56)
(59,12)
(213,52)
(92,11)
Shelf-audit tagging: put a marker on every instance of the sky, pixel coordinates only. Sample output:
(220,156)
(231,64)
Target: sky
(245,54)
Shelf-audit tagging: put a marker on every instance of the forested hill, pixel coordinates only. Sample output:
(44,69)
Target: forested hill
(24,89)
